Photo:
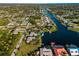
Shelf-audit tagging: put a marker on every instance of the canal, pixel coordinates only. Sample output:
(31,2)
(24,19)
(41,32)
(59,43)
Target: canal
(62,35)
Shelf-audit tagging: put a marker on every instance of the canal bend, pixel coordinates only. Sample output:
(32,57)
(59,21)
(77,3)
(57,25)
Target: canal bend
(62,35)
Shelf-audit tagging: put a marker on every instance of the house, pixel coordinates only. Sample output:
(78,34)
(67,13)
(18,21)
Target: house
(45,52)
(47,19)
(28,39)
(10,25)
(33,34)
(73,50)
(16,31)
(60,50)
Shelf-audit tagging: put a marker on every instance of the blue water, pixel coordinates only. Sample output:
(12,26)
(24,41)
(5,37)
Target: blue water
(62,35)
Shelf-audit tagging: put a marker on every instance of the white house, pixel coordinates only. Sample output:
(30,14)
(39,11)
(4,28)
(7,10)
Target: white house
(74,51)
(45,52)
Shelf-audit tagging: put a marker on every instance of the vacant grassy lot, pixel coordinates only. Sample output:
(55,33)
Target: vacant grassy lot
(27,48)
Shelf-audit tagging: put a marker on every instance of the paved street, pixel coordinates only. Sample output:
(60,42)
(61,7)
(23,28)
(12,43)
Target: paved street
(19,42)
(17,46)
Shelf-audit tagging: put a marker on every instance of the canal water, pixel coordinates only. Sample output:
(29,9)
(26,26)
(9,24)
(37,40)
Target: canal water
(62,36)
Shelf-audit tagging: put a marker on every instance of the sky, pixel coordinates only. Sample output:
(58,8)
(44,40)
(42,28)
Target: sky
(39,1)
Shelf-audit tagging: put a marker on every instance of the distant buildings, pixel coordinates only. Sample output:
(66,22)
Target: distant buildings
(10,25)
(16,31)
(71,21)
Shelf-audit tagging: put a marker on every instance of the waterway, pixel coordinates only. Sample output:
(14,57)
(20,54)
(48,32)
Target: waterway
(62,35)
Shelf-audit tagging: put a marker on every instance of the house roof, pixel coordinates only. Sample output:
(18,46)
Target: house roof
(59,51)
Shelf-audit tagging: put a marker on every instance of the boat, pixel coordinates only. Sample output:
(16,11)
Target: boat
(42,34)
(52,44)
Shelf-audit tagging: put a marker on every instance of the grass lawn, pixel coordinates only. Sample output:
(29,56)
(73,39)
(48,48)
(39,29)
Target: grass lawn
(3,22)
(74,29)
(15,43)
(27,48)
(8,42)
(53,29)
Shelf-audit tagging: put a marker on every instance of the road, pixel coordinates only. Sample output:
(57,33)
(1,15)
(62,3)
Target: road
(17,46)
(19,42)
